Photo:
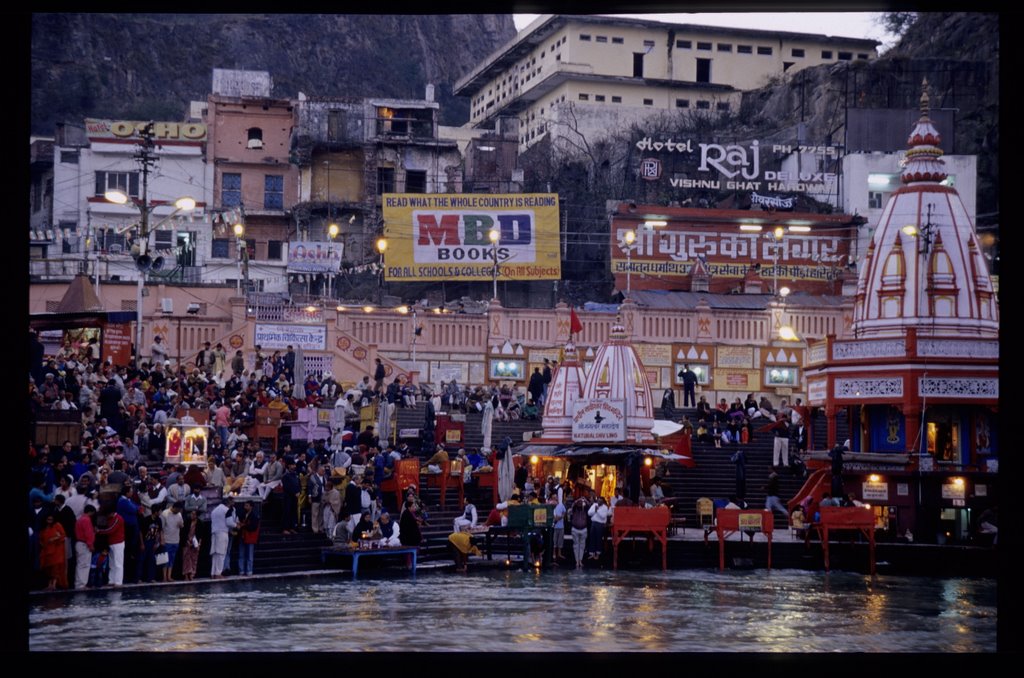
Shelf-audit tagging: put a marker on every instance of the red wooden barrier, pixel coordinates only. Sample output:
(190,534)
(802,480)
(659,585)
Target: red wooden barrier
(859,518)
(653,521)
(732,520)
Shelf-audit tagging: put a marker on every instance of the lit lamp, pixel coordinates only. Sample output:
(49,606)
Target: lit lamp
(332,232)
(382,246)
(630,238)
(494,235)
(243,253)
(786,332)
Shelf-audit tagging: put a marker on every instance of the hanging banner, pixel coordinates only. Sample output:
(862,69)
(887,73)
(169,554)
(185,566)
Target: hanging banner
(117,344)
(315,257)
(447,236)
(309,337)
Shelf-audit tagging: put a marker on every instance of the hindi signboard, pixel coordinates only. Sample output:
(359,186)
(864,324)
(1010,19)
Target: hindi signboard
(309,337)
(117,344)
(447,236)
(599,420)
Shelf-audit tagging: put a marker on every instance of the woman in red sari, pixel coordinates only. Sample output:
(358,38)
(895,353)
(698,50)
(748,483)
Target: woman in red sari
(52,558)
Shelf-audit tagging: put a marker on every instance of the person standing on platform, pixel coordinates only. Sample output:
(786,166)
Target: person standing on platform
(111,526)
(836,454)
(739,457)
(222,521)
(598,513)
(85,537)
(771,490)
(689,379)
(172,523)
(379,373)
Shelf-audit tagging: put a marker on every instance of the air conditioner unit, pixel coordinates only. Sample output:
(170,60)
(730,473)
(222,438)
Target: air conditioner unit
(167,305)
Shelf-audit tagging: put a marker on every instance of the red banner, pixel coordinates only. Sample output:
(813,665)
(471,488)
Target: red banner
(117,344)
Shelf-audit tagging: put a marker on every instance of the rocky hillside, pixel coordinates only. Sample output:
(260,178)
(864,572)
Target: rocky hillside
(149,66)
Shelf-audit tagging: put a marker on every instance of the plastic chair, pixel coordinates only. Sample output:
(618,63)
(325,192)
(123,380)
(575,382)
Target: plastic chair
(705,513)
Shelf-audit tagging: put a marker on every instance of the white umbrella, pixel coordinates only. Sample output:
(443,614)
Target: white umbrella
(506,476)
(299,389)
(485,424)
(384,411)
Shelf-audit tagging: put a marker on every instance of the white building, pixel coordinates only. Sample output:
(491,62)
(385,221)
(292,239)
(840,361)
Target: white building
(101,157)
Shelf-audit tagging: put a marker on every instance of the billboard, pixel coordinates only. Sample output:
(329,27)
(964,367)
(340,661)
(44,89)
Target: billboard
(808,260)
(446,236)
(315,257)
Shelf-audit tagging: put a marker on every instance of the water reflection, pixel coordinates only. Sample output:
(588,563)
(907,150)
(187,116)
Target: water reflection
(689,610)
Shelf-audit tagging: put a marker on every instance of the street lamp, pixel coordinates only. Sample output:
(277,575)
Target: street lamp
(243,251)
(630,238)
(494,235)
(382,246)
(332,233)
(146,158)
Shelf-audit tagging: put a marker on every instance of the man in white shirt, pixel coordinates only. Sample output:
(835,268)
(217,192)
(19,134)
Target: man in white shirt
(222,520)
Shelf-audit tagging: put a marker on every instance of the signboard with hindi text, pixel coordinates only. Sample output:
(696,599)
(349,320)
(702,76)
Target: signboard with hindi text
(809,256)
(309,337)
(599,420)
(448,236)
(117,344)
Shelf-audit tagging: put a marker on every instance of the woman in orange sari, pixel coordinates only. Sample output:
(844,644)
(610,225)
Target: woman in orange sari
(52,558)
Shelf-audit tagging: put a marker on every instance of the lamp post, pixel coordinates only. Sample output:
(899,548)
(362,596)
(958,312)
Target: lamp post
(146,158)
(243,254)
(382,246)
(630,238)
(494,235)
(332,233)
(777,236)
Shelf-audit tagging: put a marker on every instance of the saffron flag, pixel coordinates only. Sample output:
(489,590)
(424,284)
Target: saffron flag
(575,326)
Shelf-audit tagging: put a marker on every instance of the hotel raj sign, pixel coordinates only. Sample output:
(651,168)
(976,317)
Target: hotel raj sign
(735,167)
(130,129)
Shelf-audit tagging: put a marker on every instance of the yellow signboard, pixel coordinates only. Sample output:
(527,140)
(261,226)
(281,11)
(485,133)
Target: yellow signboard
(447,236)
(750,521)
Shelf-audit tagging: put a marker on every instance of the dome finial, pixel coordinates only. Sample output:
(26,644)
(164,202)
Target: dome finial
(925,107)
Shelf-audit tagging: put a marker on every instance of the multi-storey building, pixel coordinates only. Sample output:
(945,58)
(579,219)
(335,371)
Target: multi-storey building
(564,75)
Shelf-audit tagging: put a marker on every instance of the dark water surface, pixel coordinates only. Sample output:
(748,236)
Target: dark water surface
(681,611)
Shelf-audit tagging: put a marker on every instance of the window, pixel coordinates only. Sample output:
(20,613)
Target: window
(598,97)
(385,180)
(584,37)
(648,43)
(704,105)
(273,192)
(219,248)
(764,50)
(706,46)
(702,370)
(861,56)
(745,49)
(724,47)
(584,97)
(70,244)
(126,182)
(845,56)
(275,250)
(415,181)
(616,41)
(682,103)
(826,54)
(616,100)
(230,190)
(648,102)
(798,52)
(684,44)
(875,200)
(69,157)
(703,70)
(601,38)
(255,138)
(336,125)
(164,240)
(780,376)
(722,106)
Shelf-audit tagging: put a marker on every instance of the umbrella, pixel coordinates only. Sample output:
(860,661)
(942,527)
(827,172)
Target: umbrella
(506,474)
(384,411)
(485,425)
(299,388)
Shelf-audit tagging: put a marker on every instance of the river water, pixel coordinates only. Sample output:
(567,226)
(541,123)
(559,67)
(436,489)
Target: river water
(498,610)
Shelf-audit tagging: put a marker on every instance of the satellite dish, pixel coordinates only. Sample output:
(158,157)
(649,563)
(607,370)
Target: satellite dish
(144,262)
(158,263)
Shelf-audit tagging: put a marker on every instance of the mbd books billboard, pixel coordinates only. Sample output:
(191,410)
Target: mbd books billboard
(448,236)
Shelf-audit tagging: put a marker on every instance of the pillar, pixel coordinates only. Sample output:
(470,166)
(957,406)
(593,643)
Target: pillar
(830,418)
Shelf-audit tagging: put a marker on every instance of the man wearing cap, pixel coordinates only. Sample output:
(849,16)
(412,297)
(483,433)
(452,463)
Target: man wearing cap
(222,521)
